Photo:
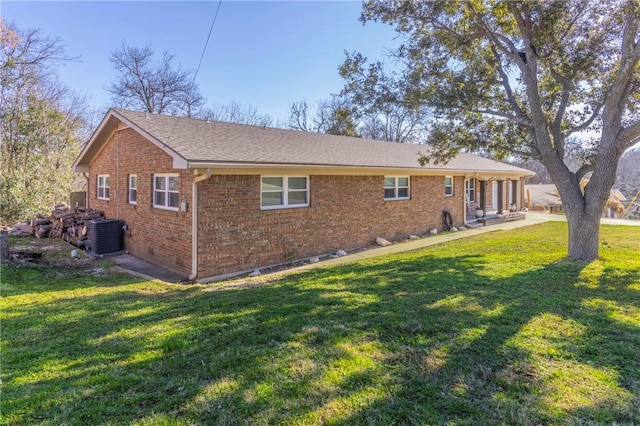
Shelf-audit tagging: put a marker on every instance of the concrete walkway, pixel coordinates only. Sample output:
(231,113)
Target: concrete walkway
(138,267)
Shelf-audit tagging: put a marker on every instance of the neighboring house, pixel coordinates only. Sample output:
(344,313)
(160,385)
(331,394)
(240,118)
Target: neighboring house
(546,197)
(543,197)
(207,199)
(615,204)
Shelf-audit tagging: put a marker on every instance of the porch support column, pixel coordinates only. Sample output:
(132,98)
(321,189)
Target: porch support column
(483,196)
(514,193)
(500,195)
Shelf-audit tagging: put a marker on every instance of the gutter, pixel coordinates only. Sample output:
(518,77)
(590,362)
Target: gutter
(86,197)
(194,223)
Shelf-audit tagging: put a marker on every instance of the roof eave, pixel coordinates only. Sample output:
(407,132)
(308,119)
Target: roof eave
(109,125)
(424,171)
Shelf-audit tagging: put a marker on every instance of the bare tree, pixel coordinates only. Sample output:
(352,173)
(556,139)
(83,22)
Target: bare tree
(333,116)
(236,113)
(158,87)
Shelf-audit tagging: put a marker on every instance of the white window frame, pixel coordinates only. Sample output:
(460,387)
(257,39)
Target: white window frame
(285,193)
(102,183)
(166,191)
(132,189)
(470,186)
(448,189)
(396,186)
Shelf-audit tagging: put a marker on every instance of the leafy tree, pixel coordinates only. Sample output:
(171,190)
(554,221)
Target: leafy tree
(156,87)
(521,78)
(382,101)
(334,116)
(39,130)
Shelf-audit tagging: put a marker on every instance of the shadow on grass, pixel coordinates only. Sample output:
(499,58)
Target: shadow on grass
(407,340)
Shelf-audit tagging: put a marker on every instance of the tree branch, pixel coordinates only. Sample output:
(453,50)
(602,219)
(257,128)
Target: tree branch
(587,123)
(630,135)
(507,87)
(582,171)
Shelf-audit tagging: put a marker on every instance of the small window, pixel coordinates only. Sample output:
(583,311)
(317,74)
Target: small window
(166,191)
(396,188)
(103,187)
(448,186)
(133,189)
(284,191)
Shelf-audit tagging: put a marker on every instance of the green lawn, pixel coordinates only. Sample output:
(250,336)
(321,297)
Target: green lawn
(495,329)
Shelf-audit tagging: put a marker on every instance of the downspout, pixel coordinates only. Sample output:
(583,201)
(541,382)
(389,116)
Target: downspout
(194,223)
(117,191)
(86,197)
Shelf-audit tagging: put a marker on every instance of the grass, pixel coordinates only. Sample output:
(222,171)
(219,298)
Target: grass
(494,329)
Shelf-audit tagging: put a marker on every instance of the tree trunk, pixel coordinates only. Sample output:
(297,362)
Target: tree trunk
(583,216)
(584,236)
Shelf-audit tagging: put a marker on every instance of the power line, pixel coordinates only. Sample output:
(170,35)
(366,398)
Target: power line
(204,49)
(207,42)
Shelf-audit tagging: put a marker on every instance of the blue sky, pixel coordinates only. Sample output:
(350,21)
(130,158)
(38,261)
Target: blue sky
(266,54)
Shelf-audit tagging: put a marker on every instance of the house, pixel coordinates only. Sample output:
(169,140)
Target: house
(207,199)
(543,197)
(546,197)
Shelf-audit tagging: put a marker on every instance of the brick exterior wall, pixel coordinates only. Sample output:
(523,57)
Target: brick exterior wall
(345,212)
(160,236)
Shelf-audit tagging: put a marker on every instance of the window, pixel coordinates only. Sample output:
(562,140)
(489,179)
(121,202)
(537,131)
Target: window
(470,188)
(103,187)
(284,191)
(396,187)
(133,189)
(448,186)
(165,191)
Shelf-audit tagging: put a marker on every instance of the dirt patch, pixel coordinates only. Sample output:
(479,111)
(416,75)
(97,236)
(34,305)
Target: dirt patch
(48,252)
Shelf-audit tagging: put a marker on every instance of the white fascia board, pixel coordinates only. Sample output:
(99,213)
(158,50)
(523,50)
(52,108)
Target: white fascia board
(259,168)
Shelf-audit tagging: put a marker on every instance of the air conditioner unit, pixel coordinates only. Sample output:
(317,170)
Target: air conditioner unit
(106,235)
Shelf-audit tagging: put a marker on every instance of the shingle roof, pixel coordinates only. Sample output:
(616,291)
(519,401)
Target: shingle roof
(543,194)
(199,142)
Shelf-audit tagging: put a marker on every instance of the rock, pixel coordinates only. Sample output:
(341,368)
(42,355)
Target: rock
(74,254)
(255,273)
(382,242)
(453,229)
(340,253)
(433,231)
(314,259)
(462,228)
(413,237)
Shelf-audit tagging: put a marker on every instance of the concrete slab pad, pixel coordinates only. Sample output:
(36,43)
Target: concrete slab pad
(136,266)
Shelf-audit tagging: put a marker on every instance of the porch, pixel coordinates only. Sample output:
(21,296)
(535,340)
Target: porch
(490,201)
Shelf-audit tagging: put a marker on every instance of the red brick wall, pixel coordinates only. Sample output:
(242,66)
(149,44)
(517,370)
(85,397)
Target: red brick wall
(345,212)
(161,236)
